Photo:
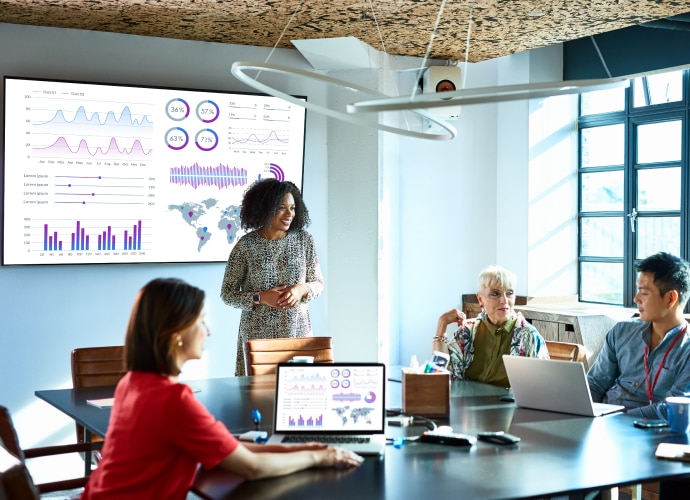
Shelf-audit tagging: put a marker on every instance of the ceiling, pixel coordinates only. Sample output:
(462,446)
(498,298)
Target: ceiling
(399,27)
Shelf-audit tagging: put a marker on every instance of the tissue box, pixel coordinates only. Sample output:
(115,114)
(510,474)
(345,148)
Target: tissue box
(426,394)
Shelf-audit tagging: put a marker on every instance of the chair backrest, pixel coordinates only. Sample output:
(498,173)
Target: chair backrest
(15,481)
(95,366)
(262,355)
(566,351)
(8,435)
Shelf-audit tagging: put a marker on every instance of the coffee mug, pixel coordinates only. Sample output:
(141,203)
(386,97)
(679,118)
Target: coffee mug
(678,413)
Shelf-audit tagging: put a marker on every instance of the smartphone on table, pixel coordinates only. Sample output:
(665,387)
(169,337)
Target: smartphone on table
(649,423)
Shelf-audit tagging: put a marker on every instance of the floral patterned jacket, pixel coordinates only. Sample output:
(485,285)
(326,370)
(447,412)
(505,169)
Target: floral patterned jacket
(526,341)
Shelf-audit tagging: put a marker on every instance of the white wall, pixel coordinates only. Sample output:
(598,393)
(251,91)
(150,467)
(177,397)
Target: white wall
(503,192)
(352,214)
(553,188)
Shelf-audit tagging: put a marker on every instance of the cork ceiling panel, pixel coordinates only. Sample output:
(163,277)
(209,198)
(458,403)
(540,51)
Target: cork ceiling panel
(400,27)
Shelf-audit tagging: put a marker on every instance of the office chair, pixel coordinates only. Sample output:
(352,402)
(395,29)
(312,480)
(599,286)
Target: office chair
(262,355)
(96,366)
(16,481)
(566,351)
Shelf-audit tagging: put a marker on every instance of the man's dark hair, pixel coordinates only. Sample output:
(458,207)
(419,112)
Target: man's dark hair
(164,306)
(261,202)
(670,273)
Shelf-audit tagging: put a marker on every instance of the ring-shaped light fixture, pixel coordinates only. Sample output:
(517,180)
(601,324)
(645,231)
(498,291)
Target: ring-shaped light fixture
(485,95)
(239,67)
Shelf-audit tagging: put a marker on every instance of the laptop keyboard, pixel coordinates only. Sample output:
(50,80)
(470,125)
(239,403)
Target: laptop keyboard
(328,439)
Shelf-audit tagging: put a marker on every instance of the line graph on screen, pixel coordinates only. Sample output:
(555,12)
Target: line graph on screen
(60,131)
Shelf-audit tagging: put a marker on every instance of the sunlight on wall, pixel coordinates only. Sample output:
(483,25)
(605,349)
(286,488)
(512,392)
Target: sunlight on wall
(552,220)
(196,369)
(40,424)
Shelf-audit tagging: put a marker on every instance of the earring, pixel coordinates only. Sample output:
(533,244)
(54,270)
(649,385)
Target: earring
(179,342)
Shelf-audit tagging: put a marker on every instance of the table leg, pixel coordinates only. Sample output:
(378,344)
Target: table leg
(88,455)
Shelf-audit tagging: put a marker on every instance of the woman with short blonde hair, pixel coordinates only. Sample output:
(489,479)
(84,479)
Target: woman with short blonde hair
(477,346)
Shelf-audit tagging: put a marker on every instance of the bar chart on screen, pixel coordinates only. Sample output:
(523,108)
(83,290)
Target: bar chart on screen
(89,235)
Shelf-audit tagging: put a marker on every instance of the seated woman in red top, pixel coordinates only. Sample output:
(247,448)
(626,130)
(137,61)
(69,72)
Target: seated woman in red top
(158,432)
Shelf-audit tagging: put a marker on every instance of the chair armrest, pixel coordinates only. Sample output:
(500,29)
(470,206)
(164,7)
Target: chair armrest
(45,451)
(65,484)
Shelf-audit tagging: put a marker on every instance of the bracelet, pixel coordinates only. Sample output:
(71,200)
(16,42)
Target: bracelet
(439,339)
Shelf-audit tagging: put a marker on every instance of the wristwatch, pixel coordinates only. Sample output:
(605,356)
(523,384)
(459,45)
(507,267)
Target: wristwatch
(256,298)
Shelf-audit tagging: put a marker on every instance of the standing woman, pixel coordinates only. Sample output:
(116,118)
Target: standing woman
(273,271)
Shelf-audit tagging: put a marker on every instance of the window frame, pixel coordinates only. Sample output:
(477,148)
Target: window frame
(631,118)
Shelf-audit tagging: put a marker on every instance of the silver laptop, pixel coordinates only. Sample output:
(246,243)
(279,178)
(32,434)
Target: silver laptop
(553,385)
(343,404)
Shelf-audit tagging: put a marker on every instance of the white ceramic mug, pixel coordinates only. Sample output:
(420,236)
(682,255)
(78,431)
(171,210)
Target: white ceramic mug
(678,413)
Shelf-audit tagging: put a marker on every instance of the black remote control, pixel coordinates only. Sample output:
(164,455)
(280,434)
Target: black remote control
(498,437)
(451,438)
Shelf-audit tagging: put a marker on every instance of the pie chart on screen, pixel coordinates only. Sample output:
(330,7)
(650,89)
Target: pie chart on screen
(370,397)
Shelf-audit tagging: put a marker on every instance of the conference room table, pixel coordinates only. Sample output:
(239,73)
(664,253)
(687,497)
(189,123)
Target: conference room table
(558,454)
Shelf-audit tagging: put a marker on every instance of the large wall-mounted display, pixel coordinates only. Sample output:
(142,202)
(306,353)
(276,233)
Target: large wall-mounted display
(100,173)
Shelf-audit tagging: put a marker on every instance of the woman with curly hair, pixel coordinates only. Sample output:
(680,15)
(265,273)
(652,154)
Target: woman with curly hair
(477,347)
(273,270)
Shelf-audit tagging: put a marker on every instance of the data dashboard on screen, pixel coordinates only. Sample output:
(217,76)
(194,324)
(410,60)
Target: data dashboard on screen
(98,173)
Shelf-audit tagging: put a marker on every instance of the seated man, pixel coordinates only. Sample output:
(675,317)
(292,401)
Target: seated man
(646,359)
(478,345)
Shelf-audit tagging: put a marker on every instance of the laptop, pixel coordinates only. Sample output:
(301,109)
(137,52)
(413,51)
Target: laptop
(553,385)
(343,404)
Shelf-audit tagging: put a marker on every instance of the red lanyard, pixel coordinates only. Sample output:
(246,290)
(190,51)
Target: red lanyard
(650,388)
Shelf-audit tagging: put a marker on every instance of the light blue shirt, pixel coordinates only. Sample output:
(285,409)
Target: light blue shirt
(618,374)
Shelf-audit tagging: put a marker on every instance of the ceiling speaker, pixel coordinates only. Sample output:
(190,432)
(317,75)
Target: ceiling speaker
(438,79)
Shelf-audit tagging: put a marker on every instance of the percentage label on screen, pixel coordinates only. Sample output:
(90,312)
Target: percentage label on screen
(207,111)
(177,109)
(176,138)
(206,139)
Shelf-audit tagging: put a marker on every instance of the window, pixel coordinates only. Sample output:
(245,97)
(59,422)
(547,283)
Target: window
(633,174)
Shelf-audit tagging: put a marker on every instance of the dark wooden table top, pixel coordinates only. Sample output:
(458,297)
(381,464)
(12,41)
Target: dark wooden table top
(558,454)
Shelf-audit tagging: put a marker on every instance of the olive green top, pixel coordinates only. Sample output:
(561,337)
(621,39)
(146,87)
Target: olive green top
(490,344)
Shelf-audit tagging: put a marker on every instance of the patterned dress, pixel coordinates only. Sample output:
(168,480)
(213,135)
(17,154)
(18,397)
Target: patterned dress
(257,264)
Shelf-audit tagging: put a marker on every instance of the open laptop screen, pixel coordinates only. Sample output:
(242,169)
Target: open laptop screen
(330,398)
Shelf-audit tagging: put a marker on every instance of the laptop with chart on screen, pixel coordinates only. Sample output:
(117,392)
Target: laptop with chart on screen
(341,404)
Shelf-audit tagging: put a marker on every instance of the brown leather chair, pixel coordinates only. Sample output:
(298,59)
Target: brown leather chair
(567,351)
(15,480)
(262,355)
(96,366)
